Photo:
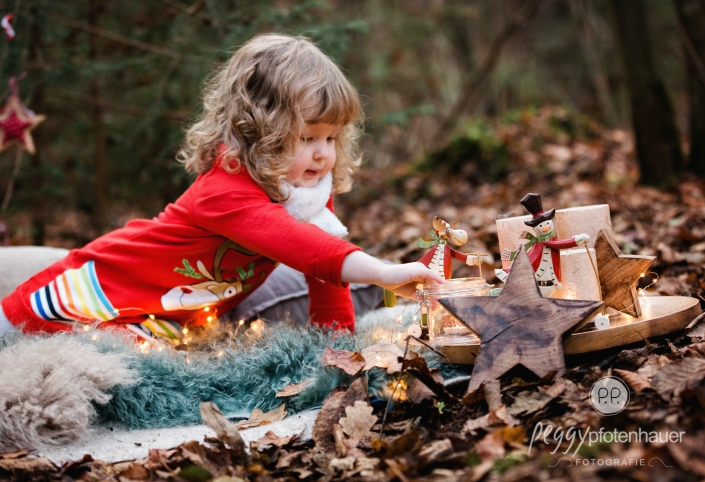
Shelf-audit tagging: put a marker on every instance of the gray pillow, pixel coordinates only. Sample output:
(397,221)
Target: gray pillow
(284,297)
(19,263)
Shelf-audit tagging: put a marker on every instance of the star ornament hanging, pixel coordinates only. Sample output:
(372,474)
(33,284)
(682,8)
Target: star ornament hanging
(618,274)
(16,124)
(519,327)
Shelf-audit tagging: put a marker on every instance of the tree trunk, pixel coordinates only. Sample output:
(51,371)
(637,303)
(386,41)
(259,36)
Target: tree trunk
(99,161)
(656,135)
(691,16)
(38,201)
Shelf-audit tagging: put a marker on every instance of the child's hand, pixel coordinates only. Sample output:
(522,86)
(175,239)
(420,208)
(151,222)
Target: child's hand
(402,279)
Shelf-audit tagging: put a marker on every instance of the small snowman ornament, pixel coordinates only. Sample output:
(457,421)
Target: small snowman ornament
(439,258)
(542,246)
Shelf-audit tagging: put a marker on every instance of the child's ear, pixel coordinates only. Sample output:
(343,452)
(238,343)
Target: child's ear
(202,269)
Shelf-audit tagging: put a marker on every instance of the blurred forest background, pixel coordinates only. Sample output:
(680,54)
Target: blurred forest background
(467,87)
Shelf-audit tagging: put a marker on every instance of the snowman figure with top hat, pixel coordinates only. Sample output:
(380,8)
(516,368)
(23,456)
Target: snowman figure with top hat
(542,247)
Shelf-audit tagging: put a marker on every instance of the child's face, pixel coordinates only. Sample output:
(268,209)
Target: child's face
(314,155)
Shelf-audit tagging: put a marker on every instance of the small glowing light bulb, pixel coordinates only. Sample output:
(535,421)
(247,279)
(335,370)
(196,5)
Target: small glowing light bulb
(185,330)
(241,322)
(86,328)
(151,317)
(210,318)
(643,275)
(379,358)
(207,308)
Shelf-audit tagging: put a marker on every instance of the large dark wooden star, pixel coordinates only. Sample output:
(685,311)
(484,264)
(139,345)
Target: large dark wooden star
(618,274)
(519,326)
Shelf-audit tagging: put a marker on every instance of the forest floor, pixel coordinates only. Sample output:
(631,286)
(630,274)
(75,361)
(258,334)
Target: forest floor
(501,432)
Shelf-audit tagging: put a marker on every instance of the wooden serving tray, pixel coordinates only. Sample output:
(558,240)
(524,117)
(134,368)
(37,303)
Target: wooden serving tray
(660,315)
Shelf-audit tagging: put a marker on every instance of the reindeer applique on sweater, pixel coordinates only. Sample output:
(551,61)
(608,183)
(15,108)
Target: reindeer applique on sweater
(215,289)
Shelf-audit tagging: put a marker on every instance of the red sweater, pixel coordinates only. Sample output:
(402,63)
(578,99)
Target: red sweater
(203,255)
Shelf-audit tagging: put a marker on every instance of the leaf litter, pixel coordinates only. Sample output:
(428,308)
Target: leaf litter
(436,432)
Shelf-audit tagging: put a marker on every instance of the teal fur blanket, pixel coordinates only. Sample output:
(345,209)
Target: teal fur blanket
(165,388)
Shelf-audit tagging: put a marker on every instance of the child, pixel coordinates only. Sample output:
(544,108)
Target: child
(276,138)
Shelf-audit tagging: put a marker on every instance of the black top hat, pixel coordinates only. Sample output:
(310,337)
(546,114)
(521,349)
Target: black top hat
(532,203)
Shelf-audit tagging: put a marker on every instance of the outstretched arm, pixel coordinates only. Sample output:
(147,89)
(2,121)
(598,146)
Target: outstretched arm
(401,279)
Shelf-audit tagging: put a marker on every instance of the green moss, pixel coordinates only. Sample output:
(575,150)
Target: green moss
(476,143)
(591,451)
(511,460)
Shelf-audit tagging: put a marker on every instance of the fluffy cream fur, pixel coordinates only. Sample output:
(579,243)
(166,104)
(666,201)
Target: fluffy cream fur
(48,386)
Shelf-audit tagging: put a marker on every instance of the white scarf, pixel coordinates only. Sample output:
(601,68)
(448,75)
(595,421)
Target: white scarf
(308,205)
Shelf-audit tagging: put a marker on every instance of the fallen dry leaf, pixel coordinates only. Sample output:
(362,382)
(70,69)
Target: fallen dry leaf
(634,380)
(512,434)
(358,420)
(258,417)
(689,454)
(696,350)
(670,381)
(348,361)
(383,354)
(13,455)
(135,472)
(530,401)
(698,331)
(270,438)
(293,389)
(496,417)
(28,464)
(491,447)
(332,410)
(493,394)
(224,429)
(407,443)
(417,391)
(293,460)
(435,451)
(416,366)
(652,365)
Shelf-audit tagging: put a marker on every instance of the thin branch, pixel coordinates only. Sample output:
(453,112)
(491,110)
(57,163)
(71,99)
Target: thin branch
(116,37)
(177,115)
(692,53)
(15,172)
(441,354)
(190,10)
(471,85)
(391,397)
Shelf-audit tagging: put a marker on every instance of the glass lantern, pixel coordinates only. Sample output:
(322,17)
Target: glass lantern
(442,327)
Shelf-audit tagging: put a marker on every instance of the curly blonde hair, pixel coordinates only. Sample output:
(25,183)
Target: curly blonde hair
(257,105)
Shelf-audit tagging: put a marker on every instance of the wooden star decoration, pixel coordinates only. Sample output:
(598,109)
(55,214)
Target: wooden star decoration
(618,274)
(519,326)
(16,124)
